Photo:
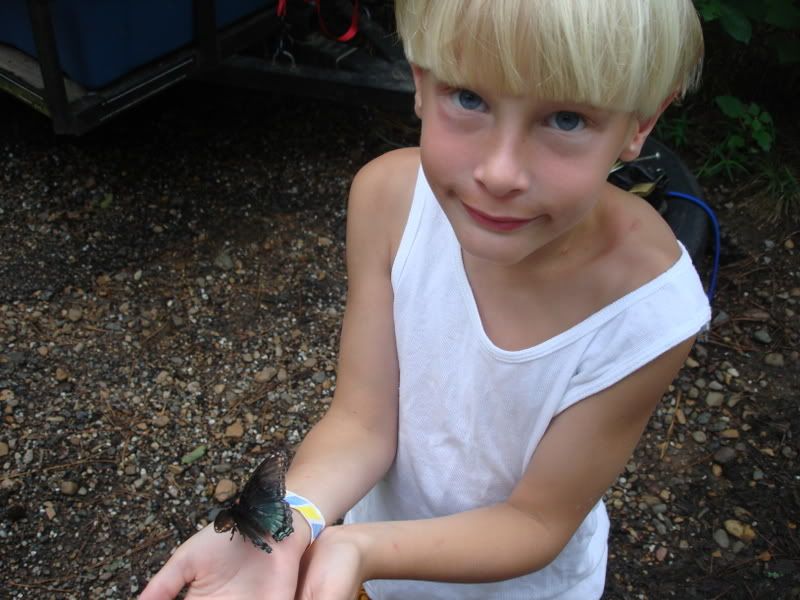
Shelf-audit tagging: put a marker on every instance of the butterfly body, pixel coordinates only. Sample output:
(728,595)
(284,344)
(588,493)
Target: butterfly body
(260,511)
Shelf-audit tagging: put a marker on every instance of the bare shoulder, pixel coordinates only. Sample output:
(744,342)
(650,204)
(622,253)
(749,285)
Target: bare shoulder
(644,246)
(381,193)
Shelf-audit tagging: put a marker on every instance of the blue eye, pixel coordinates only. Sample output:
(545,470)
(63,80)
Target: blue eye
(566,120)
(468,100)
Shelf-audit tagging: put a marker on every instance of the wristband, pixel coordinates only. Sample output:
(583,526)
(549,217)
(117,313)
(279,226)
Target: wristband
(310,513)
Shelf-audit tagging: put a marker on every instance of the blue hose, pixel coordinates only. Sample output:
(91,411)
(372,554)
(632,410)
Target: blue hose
(712,284)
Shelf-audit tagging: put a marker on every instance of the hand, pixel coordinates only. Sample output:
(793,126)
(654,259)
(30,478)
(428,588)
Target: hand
(333,567)
(214,566)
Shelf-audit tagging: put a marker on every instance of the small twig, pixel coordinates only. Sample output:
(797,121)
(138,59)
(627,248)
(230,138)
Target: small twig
(36,586)
(60,467)
(671,425)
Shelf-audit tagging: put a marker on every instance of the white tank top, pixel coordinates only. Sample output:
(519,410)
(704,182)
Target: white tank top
(471,414)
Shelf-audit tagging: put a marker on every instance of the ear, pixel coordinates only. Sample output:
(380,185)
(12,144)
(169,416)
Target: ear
(417,72)
(642,129)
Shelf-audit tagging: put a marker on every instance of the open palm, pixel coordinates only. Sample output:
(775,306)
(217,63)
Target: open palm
(214,566)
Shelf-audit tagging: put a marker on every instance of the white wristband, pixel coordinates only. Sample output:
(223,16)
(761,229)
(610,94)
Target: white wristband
(309,511)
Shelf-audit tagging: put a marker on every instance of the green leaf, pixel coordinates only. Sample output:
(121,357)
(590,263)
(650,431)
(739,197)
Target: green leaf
(783,14)
(107,201)
(752,9)
(754,109)
(731,106)
(736,142)
(765,118)
(736,24)
(763,139)
(710,10)
(194,455)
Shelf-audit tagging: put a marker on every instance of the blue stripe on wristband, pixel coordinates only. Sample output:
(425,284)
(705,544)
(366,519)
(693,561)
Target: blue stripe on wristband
(309,511)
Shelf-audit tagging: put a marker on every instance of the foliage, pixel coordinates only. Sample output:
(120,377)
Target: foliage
(782,190)
(750,78)
(778,20)
(749,132)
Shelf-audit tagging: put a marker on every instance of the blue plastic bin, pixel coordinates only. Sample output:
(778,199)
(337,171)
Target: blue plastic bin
(101,40)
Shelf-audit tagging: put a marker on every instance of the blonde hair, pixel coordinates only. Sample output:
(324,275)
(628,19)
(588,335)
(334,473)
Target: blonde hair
(628,55)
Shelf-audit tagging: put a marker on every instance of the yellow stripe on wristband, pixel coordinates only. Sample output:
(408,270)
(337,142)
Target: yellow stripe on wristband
(309,511)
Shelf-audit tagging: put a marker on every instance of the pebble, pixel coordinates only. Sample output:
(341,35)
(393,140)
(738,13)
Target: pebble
(266,374)
(715,399)
(219,388)
(235,429)
(762,335)
(225,490)
(722,539)
(282,375)
(161,420)
(739,530)
(774,359)
(61,374)
(74,314)
(3,449)
(27,458)
(725,455)
(699,437)
(730,434)
(69,488)
(224,261)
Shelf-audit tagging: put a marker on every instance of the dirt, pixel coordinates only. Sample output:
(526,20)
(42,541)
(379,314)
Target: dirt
(171,288)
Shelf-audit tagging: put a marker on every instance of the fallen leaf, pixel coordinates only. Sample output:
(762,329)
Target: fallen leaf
(194,455)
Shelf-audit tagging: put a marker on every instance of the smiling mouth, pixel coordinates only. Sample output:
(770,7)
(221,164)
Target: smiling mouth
(496,223)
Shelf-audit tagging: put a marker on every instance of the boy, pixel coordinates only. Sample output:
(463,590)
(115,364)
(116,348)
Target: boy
(512,319)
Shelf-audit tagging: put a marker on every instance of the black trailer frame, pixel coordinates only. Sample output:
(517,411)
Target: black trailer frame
(340,71)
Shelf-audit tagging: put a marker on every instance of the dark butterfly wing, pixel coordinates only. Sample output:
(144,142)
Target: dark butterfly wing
(262,497)
(261,510)
(250,528)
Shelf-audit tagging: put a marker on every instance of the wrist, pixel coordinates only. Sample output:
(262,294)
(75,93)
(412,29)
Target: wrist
(359,537)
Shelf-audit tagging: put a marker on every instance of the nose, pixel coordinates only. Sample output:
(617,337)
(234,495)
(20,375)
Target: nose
(502,170)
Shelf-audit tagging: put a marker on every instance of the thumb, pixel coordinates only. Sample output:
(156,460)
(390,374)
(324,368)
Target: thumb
(170,580)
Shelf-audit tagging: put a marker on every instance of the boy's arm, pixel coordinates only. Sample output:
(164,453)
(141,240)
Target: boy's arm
(579,457)
(354,444)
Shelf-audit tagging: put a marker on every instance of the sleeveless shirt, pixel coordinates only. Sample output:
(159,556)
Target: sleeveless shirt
(471,414)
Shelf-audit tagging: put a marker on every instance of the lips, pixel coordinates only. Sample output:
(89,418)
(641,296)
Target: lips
(496,223)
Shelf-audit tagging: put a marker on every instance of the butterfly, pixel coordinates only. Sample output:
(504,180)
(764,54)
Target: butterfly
(260,510)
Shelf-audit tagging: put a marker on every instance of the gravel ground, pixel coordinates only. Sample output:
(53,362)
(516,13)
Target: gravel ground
(171,287)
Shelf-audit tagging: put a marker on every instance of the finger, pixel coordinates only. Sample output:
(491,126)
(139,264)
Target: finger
(169,581)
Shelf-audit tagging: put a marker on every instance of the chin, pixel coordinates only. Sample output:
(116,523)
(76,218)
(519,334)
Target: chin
(503,251)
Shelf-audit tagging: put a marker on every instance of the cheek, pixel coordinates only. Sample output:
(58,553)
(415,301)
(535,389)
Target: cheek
(443,156)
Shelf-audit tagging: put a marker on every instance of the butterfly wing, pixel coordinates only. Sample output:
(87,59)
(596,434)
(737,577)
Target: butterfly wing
(263,497)
(249,528)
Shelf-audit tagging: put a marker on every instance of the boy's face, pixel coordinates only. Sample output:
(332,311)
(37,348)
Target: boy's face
(518,177)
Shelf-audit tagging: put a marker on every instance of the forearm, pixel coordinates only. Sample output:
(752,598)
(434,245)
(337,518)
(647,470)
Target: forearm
(486,544)
(339,461)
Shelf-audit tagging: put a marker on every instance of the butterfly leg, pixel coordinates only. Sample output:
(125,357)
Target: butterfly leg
(259,543)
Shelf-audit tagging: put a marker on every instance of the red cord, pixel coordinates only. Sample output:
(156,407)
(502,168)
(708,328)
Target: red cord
(345,37)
